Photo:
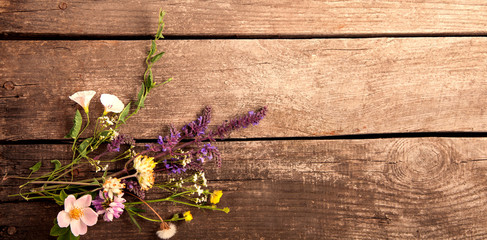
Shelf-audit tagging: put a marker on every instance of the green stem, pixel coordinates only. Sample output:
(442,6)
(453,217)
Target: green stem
(65,183)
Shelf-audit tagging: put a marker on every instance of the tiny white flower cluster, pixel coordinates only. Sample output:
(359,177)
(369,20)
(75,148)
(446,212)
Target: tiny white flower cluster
(197,189)
(186,160)
(200,175)
(201,199)
(99,168)
(179,183)
(113,134)
(106,121)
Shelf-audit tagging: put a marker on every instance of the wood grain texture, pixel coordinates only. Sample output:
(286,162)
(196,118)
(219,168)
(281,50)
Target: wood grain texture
(311,87)
(427,188)
(242,18)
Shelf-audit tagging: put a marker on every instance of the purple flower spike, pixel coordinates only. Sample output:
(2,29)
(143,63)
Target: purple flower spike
(199,126)
(253,118)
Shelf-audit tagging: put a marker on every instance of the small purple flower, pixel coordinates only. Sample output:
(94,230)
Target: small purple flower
(173,167)
(111,208)
(209,152)
(134,187)
(114,146)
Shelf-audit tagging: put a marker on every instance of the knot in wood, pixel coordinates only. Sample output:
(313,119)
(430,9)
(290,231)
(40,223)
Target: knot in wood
(63,5)
(420,163)
(9,85)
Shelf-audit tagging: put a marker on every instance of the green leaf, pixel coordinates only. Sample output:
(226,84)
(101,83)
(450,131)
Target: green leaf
(36,167)
(57,198)
(104,174)
(134,209)
(133,220)
(150,81)
(157,57)
(83,146)
(72,237)
(78,120)
(56,230)
(95,181)
(62,195)
(57,164)
(104,133)
(161,24)
(153,48)
(124,113)
(68,235)
(141,97)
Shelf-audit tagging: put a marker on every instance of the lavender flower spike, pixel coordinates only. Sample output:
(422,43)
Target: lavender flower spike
(253,118)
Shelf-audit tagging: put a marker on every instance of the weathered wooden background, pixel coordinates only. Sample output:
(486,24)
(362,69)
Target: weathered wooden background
(376,126)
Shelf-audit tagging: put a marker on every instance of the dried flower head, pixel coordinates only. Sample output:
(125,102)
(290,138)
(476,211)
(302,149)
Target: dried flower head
(111,103)
(144,166)
(112,186)
(83,98)
(166,231)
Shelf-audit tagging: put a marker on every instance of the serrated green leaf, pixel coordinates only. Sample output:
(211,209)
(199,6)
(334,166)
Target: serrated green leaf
(36,167)
(83,146)
(157,57)
(56,230)
(134,221)
(124,113)
(57,164)
(62,195)
(78,120)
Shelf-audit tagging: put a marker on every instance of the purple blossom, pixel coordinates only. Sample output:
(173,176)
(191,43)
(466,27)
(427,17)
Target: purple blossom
(111,208)
(173,167)
(134,187)
(207,153)
(198,127)
(114,146)
(253,118)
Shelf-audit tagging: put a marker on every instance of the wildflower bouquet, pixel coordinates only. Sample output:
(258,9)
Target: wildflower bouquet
(175,165)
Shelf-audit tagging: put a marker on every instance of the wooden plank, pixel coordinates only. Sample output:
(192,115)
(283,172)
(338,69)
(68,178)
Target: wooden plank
(428,188)
(242,18)
(311,87)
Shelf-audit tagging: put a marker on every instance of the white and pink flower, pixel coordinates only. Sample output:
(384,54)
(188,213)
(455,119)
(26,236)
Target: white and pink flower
(111,103)
(77,214)
(83,98)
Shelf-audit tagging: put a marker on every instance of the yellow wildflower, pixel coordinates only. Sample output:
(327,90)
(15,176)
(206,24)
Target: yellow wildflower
(187,216)
(215,196)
